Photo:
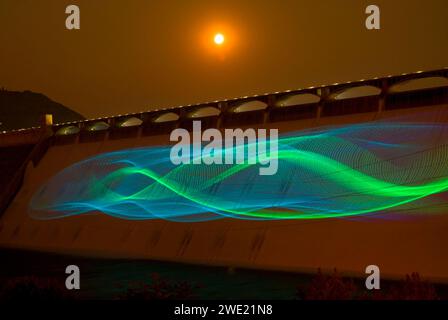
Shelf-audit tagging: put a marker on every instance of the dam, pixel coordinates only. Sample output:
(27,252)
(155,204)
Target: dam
(400,239)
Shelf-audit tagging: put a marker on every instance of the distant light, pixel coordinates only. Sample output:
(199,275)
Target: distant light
(219,39)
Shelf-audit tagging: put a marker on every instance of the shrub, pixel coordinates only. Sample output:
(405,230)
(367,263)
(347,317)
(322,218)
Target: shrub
(412,288)
(335,287)
(330,287)
(34,288)
(160,289)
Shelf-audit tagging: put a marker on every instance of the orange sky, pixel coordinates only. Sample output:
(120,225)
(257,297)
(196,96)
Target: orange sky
(138,55)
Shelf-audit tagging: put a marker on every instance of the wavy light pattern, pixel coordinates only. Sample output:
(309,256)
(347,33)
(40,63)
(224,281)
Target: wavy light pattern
(332,172)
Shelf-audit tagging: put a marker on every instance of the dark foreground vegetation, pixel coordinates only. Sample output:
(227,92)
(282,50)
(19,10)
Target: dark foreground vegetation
(320,287)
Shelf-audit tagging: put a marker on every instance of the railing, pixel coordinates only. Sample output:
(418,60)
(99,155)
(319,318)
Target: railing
(269,108)
(327,104)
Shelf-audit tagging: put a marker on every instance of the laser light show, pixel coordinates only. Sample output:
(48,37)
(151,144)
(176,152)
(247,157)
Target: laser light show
(351,171)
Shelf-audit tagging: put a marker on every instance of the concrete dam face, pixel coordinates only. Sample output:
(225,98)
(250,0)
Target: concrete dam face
(361,179)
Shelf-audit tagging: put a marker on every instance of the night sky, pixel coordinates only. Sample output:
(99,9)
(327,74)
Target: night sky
(137,55)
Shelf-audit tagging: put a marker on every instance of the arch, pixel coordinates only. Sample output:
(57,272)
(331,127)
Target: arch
(98,126)
(357,92)
(248,106)
(298,99)
(130,122)
(166,117)
(204,112)
(419,84)
(68,130)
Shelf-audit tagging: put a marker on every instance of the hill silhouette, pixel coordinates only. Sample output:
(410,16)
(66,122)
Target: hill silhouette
(25,109)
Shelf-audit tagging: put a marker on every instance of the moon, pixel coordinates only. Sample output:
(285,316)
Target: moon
(219,39)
